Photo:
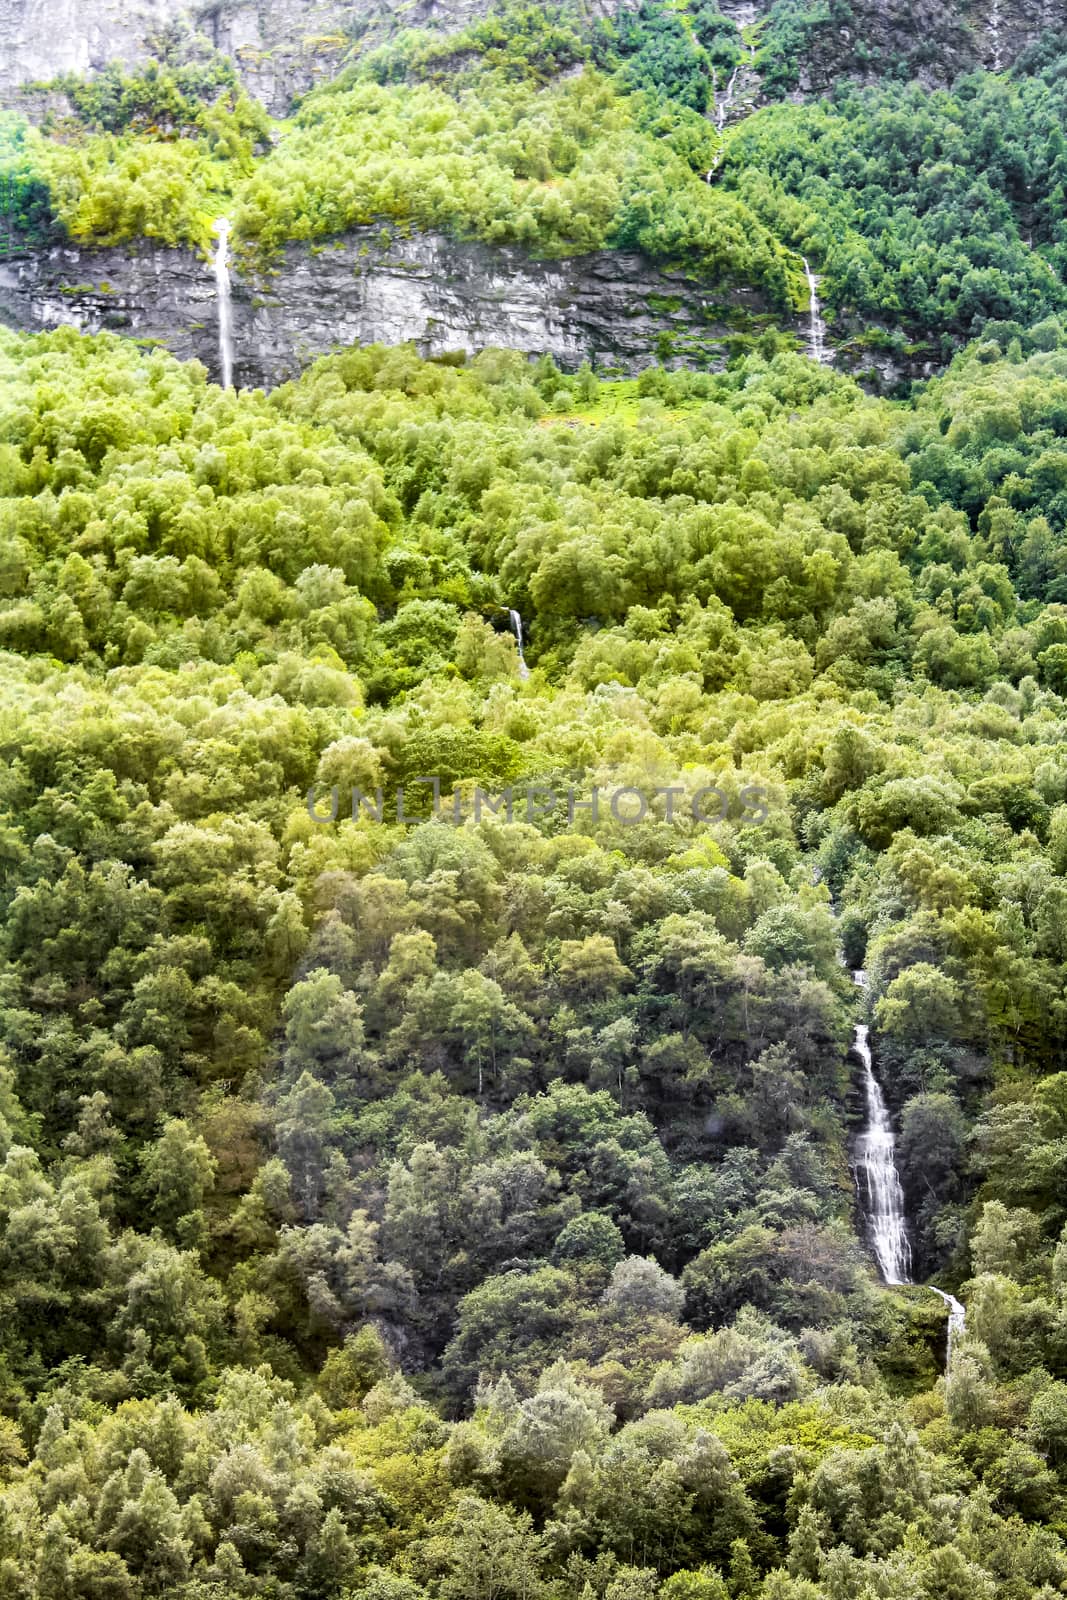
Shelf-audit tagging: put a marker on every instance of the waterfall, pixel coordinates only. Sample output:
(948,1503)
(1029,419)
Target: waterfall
(882,1196)
(516,625)
(957,1318)
(816,326)
(994,30)
(222,288)
(722,106)
(743,16)
(884,1203)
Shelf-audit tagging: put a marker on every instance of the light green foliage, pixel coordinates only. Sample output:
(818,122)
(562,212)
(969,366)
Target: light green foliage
(936,215)
(560,169)
(155,155)
(456,1206)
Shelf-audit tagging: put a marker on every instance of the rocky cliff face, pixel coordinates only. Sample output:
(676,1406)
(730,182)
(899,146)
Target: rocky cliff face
(41,38)
(931,40)
(615,310)
(281,48)
(145,291)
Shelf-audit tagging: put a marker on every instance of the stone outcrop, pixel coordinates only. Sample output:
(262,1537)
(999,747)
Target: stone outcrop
(614,309)
(281,48)
(142,290)
(933,41)
(887,369)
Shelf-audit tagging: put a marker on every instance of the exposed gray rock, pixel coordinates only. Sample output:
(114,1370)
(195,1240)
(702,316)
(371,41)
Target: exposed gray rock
(281,48)
(931,40)
(372,285)
(613,309)
(145,291)
(41,38)
(887,372)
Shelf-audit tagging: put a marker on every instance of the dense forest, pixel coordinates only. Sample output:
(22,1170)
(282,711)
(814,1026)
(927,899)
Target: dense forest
(424,1176)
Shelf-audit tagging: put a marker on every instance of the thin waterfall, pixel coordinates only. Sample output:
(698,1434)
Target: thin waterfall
(746,17)
(994,30)
(884,1197)
(722,106)
(225,301)
(816,325)
(881,1194)
(516,627)
(957,1318)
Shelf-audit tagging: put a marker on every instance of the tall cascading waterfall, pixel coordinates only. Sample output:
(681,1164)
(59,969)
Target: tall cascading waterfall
(884,1202)
(881,1194)
(225,301)
(816,325)
(744,16)
(516,626)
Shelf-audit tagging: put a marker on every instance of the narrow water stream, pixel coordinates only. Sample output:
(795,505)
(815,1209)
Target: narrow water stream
(722,107)
(516,627)
(816,325)
(880,1191)
(994,33)
(740,81)
(882,1196)
(225,300)
(957,1318)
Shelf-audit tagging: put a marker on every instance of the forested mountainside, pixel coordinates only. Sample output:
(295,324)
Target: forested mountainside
(919,215)
(283,47)
(533,903)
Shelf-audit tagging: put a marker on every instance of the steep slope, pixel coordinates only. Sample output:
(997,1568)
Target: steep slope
(613,309)
(283,47)
(441,801)
(280,47)
(810,45)
(925,214)
(549,1117)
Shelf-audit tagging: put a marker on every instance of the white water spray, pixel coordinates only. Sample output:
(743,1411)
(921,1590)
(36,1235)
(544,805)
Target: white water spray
(743,16)
(957,1318)
(881,1194)
(884,1197)
(223,295)
(816,325)
(722,106)
(516,626)
(994,32)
